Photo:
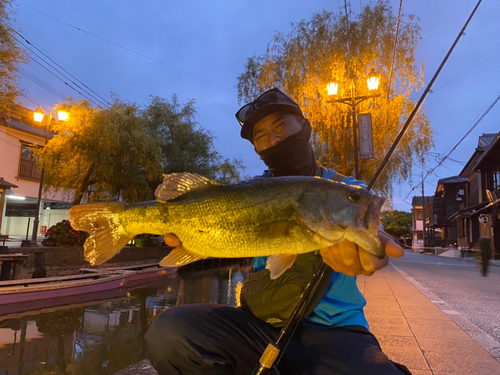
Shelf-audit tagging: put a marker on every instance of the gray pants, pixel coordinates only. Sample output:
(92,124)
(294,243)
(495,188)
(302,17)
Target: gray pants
(214,339)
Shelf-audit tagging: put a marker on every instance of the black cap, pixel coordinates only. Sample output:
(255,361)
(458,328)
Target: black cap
(271,101)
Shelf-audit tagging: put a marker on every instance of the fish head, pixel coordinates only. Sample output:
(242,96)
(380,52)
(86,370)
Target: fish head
(352,213)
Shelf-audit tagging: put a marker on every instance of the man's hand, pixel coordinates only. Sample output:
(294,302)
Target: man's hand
(347,258)
(171,240)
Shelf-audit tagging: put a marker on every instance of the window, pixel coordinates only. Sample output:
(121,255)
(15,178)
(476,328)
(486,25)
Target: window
(419,215)
(496,180)
(28,169)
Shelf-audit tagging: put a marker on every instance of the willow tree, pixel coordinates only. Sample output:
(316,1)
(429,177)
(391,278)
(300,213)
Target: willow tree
(12,55)
(102,153)
(345,47)
(120,152)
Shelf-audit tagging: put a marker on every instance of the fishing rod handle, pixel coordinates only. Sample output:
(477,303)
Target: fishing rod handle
(266,361)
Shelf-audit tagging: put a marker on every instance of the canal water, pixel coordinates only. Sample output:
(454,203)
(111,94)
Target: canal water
(103,337)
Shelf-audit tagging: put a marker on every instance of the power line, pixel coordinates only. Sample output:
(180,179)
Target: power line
(56,70)
(41,83)
(461,75)
(395,45)
(37,104)
(483,115)
(88,92)
(128,49)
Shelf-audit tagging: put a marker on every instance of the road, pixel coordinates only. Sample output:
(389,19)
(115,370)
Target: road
(460,287)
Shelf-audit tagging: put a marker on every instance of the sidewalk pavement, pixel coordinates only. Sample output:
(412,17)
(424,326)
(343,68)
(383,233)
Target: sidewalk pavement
(414,331)
(414,328)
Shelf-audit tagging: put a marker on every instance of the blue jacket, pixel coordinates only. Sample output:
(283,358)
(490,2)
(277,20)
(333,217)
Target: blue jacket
(342,304)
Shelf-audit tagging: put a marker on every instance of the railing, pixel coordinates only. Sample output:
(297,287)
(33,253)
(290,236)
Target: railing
(28,170)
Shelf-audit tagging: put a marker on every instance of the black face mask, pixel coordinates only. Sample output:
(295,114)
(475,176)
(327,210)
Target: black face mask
(293,156)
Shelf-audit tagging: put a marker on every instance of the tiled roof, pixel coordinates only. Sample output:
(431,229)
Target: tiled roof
(417,200)
(452,180)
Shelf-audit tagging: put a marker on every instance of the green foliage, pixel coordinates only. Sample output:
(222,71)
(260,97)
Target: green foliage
(145,240)
(229,171)
(396,223)
(120,152)
(62,234)
(12,55)
(303,61)
(111,149)
(185,146)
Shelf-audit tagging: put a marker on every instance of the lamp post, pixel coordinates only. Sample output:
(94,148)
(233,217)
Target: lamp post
(353,101)
(38,116)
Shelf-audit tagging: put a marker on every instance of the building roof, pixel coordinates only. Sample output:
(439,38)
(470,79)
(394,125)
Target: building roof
(6,185)
(452,180)
(483,143)
(490,157)
(417,200)
(486,139)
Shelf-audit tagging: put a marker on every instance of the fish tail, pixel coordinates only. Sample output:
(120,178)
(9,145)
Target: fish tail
(107,235)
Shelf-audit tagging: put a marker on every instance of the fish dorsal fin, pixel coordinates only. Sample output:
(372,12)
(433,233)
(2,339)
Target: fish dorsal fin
(176,184)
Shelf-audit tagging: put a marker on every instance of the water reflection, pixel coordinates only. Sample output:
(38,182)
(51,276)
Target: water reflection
(104,337)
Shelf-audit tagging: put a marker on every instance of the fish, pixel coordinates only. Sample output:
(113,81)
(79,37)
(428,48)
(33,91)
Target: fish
(279,217)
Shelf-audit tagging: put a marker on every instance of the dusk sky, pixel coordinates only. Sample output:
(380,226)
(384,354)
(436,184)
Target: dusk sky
(196,49)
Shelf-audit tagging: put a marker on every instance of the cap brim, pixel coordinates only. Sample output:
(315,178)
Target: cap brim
(259,114)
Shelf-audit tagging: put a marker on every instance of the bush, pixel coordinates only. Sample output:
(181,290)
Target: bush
(146,242)
(62,234)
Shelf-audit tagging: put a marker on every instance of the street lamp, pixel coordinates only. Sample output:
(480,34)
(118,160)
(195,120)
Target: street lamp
(353,100)
(38,116)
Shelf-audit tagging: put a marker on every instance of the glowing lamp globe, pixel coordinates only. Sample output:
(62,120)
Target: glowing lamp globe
(38,115)
(373,81)
(62,116)
(332,88)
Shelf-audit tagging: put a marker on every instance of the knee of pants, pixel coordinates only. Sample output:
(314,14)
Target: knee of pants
(166,332)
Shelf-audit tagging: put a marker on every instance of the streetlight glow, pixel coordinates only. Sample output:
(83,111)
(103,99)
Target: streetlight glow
(38,115)
(372,81)
(353,100)
(332,88)
(62,115)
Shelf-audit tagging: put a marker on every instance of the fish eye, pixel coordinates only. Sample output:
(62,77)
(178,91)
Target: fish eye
(354,196)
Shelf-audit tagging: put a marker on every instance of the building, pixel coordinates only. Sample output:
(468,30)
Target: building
(18,135)
(416,229)
(448,198)
(478,216)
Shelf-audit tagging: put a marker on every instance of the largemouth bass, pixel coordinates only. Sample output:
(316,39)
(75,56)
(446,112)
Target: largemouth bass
(278,217)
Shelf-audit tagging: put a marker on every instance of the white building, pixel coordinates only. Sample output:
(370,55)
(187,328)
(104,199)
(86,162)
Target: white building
(18,134)
(417,227)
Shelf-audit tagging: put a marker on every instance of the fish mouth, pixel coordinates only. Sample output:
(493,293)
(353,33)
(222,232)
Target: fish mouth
(368,241)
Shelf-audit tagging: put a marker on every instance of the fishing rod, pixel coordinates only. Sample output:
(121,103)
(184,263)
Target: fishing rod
(273,350)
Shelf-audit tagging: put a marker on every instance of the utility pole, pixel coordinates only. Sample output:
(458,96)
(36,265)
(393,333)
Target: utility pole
(423,211)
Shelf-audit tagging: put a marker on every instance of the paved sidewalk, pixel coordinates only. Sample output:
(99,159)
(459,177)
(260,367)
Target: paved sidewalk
(413,330)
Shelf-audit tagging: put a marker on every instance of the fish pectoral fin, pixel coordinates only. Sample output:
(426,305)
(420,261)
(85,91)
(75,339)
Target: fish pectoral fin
(278,264)
(276,228)
(180,256)
(176,184)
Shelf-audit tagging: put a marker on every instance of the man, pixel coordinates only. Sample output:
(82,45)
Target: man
(334,338)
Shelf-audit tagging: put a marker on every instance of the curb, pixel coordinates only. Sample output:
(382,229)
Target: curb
(489,344)
(492,263)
